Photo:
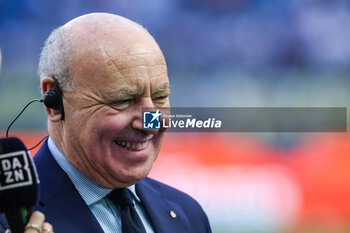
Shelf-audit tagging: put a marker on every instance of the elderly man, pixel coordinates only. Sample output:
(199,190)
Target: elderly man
(94,165)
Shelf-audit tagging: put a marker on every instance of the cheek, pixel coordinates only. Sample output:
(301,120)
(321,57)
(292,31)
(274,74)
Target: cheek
(111,124)
(100,130)
(82,130)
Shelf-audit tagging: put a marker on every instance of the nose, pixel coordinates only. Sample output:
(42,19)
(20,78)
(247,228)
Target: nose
(139,119)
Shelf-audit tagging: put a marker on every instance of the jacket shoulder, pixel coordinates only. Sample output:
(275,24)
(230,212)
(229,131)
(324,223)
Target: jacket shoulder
(172,193)
(194,210)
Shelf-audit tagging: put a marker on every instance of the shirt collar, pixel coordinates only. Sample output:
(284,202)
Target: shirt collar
(89,191)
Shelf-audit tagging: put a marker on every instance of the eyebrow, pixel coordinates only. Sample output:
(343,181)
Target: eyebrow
(120,94)
(163,89)
(125,93)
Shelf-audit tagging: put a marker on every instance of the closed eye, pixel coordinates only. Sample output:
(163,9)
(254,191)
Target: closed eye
(122,103)
(160,98)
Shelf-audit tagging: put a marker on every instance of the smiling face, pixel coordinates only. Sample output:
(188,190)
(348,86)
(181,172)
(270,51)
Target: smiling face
(102,134)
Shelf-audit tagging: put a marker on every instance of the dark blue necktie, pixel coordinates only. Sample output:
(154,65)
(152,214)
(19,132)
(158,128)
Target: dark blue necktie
(131,222)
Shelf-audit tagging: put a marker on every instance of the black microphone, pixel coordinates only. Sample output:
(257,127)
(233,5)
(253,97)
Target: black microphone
(19,183)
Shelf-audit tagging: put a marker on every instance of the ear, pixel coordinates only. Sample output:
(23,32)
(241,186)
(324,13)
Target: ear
(47,83)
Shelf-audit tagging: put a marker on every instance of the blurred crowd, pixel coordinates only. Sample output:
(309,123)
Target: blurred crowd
(254,33)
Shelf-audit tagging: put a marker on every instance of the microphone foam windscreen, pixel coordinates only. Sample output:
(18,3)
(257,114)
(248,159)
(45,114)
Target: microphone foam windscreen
(19,182)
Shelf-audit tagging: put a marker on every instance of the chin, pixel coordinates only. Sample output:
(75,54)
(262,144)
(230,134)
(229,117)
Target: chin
(129,176)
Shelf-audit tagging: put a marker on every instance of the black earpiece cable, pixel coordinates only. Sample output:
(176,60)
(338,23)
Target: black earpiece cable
(25,107)
(39,142)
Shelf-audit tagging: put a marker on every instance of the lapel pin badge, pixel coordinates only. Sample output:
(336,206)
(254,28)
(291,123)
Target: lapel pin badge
(172,214)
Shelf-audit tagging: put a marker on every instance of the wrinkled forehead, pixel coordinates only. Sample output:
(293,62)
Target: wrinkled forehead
(138,67)
(110,50)
(106,61)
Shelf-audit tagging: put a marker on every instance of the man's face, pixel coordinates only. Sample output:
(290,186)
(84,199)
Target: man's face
(103,134)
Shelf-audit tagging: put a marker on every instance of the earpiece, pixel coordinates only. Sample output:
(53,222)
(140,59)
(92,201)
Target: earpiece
(53,98)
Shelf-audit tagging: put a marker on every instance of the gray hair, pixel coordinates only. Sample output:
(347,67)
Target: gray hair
(56,57)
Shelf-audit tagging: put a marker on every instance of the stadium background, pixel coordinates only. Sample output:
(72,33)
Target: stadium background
(222,53)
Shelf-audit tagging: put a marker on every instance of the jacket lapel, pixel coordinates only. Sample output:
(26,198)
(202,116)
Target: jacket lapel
(60,201)
(161,210)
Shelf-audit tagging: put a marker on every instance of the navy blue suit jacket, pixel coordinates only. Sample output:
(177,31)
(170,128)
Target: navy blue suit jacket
(67,212)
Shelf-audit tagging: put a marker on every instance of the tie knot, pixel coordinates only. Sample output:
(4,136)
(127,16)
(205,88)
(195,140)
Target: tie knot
(122,197)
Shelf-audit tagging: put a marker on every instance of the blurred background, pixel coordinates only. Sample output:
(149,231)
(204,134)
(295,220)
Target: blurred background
(222,53)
